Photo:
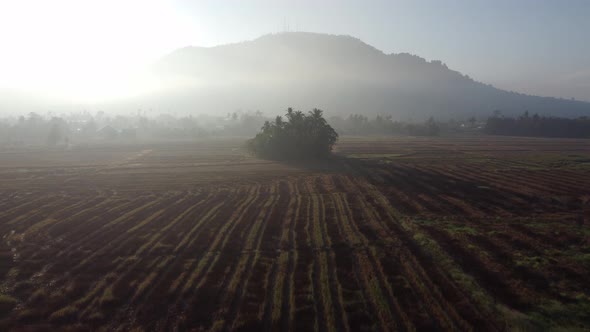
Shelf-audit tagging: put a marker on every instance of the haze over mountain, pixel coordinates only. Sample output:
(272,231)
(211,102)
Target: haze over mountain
(339,74)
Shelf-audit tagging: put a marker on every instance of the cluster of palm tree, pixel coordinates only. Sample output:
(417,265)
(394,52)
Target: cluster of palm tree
(301,136)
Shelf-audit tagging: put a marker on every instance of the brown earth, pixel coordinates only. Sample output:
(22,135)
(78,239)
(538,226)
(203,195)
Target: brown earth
(474,233)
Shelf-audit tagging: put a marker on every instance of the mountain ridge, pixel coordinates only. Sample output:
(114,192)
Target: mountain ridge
(341,74)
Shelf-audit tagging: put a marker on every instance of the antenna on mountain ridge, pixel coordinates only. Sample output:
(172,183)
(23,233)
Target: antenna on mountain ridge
(286,25)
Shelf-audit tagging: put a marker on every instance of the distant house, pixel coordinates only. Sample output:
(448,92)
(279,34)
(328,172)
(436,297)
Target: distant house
(107,132)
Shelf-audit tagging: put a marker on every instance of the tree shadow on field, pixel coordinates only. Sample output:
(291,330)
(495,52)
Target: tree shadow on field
(436,190)
(333,164)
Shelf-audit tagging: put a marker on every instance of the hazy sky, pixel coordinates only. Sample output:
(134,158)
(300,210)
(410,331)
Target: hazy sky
(78,47)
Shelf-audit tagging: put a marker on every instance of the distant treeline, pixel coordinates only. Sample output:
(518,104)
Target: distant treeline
(356,124)
(81,127)
(539,126)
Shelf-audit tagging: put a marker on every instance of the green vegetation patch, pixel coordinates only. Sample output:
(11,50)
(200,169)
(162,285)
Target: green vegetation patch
(107,297)
(466,281)
(7,303)
(575,161)
(553,316)
(534,262)
(455,228)
(583,259)
(63,315)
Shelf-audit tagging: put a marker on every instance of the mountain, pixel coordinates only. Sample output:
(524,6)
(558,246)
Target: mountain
(339,74)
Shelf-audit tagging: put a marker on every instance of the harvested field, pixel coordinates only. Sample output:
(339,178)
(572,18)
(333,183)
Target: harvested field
(476,233)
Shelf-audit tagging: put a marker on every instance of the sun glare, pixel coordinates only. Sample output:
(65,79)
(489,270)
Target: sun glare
(85,50)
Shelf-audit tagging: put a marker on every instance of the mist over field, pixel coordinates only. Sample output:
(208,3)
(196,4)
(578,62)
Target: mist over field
(277,165)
